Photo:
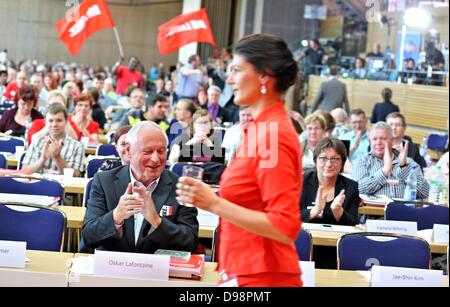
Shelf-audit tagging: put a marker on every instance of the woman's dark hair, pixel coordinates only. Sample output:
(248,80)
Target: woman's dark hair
(121,131)
(334,143)
(270,56)
(27,93)
(386,93)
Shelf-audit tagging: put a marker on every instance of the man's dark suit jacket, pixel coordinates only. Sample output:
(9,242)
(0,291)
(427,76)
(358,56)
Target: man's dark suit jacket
(332,94)
(351,203)
(177,231)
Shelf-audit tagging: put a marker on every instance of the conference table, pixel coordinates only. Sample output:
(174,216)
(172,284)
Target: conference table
(43,269)
(53,269)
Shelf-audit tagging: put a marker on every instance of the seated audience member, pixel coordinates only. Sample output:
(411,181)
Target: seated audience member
(340,117)
(56,150)
(330,123)
(184,111)
(12,89)
(87,127)
(315,131)
(134,208)
(397,122)
(360,71)
(155,111)
(201,135)
(119,142)
(98,115)
(103,100)
(373,170)
(383,109)
(16,121)
(328,197)
(202,98)
(234,135)
(216,112)
(39,129)
(134,99)
(359,136)
(108,91)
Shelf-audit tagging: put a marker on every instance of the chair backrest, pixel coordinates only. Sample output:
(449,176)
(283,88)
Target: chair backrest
(93,166)
(425,217)
(9,144)
(107,150)
(177,168)
(5,106)
(2,161)
(20,163)
(87,191)
(215,245)
(41,227)
(360,251)
(31,186)
(304,245)
(437,142)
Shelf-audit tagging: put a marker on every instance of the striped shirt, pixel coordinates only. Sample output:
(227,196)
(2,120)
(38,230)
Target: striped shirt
(72,153)
(367,171)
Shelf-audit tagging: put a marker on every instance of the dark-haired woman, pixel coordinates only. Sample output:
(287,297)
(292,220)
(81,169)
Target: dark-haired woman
(328,197)
(383,109)
(15,121)
(260,189)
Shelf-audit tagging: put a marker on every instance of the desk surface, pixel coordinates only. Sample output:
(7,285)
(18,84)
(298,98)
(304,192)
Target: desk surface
(44,269)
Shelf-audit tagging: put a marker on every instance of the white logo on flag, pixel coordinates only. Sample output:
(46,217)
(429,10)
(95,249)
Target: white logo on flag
(79,26)
(188,26)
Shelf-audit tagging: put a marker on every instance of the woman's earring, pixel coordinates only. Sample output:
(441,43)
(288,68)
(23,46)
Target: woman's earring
(263,89)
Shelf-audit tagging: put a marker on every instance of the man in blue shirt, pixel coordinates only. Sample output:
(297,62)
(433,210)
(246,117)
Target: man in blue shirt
(359,136)
(190,79)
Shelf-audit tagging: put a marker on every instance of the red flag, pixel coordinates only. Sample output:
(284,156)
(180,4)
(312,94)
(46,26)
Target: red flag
(185,29)
(93,16)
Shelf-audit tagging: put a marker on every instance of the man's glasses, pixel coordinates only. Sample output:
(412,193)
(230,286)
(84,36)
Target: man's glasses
(333,161)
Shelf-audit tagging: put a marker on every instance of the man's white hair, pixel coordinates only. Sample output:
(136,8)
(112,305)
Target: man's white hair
(133,133)
(381,126)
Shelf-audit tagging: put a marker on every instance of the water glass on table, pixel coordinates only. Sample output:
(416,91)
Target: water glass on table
(193,172)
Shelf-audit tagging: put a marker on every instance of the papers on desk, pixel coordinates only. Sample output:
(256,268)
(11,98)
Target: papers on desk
(208,219)
(375,200)
(330,228)
(83,265)
(29,199)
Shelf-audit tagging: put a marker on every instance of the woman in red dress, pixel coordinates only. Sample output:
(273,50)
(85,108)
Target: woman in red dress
(260,189)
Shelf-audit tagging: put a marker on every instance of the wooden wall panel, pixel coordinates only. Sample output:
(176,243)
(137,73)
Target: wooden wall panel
(426,108)
(27,31)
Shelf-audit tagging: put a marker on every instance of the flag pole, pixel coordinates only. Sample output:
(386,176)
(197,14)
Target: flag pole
(119,43)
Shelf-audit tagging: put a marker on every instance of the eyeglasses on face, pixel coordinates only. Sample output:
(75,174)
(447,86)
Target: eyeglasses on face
(333,161)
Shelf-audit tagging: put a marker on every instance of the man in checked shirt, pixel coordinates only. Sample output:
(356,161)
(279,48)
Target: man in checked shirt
(384,170)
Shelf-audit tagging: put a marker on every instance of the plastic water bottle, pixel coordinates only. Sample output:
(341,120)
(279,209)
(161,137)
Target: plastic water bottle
(411,185)
(437,186)
(423,147)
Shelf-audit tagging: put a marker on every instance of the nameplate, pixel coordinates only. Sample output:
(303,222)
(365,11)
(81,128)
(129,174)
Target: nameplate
(12,254)
(129,265)
(308,269)
(440,233)
(394,227)
(383,276)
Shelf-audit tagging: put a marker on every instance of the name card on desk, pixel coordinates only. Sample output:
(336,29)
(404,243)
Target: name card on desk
(383,276)
(129,265)
(394,227)
(308,273)
(12,254)
(440,233)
